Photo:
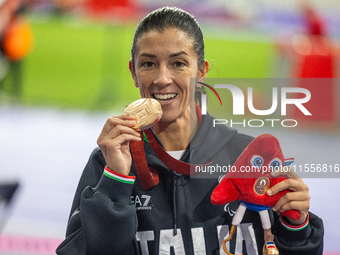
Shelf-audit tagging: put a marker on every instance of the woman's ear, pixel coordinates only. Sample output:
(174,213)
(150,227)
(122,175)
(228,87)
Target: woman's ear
(133,74)
(204,70)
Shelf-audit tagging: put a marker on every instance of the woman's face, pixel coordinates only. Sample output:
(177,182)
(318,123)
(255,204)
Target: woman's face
(164,64)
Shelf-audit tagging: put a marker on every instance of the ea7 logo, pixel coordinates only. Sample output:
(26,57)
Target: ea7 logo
(142,202)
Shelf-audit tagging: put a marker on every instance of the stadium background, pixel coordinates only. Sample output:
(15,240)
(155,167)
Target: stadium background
(76,75)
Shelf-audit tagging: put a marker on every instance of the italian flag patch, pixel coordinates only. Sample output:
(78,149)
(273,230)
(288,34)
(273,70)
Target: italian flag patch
(294,228)
(119,177)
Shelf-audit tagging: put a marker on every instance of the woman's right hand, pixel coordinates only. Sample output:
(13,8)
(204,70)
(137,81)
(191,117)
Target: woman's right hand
(114,142)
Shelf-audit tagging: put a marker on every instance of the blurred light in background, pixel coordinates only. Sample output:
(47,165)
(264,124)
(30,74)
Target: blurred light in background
(69,72)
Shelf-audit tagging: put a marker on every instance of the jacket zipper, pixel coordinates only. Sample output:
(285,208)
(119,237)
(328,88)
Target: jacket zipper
(174,194)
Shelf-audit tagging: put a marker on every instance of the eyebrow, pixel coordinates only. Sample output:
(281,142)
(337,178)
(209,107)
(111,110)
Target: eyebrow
(178,54)
(147,55)
(171,55)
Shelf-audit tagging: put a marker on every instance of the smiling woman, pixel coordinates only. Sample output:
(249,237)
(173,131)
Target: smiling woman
(146,203)
(163,71)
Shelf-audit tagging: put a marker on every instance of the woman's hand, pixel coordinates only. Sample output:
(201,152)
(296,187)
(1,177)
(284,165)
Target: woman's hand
(114,142)
(298,199)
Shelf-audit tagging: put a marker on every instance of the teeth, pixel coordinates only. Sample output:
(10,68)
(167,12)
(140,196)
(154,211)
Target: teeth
(164,96)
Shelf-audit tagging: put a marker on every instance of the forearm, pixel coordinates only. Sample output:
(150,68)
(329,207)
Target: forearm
(306,239)
(105,222)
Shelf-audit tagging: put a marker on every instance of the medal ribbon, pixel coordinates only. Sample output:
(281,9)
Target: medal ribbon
(150,178)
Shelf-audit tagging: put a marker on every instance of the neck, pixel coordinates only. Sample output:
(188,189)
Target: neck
(176,135)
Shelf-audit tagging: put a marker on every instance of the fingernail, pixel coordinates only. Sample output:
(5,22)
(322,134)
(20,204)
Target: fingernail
(269,192)
(274,209)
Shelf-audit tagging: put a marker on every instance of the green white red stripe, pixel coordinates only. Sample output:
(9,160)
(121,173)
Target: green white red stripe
(119,177)
(294,228)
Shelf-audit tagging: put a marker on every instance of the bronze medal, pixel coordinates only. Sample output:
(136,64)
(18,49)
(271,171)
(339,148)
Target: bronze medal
(261,185)
(147,112)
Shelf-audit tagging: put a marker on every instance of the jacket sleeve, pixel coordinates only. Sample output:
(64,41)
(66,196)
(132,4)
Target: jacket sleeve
(103,219)
(306,239)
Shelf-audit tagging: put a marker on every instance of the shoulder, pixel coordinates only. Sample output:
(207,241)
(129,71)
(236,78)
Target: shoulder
(90,175)
(217,140)
(223,132)
(236,145)
(94,167)
(241,139)
(97,156)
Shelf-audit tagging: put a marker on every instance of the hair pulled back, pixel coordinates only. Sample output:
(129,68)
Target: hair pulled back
(171,17)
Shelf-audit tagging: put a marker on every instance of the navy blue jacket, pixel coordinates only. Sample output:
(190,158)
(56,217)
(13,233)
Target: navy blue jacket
(175,216)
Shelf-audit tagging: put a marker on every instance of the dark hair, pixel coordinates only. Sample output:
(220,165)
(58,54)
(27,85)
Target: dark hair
(171,17)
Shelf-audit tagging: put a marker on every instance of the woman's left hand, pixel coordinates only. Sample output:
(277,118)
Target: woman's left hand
(298,199)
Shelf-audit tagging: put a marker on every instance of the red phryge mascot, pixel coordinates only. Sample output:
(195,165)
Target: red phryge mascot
(248,182)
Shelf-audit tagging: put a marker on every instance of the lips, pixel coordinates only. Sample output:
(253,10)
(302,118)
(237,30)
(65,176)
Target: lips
(164,97)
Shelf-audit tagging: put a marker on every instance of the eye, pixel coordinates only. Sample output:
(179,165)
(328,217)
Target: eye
(256,161)
(148,64)
(179,64)
(275,163)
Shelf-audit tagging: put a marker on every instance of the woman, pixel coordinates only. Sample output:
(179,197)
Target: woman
(124,211)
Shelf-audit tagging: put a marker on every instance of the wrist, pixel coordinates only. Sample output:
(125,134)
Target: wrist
(302,220)
(118,176)
(294,225)
(115,186)
(118,170)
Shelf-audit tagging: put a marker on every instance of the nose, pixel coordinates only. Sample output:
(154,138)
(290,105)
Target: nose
(163,77)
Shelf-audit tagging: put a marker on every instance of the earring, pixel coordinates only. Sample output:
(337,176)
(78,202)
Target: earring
(198,87)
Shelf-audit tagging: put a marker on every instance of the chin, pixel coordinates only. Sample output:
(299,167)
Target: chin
(166,119)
